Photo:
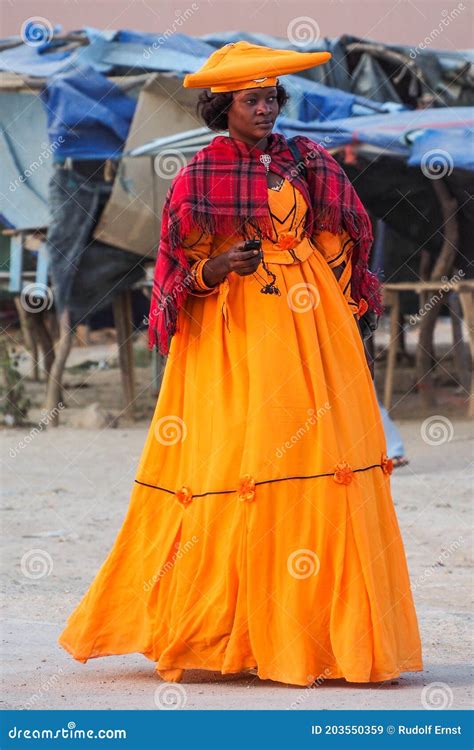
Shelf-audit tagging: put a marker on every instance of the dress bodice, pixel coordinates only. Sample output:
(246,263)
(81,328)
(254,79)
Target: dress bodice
(288,209)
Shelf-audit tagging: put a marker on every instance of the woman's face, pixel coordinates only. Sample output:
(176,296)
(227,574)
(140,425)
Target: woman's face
(252,113)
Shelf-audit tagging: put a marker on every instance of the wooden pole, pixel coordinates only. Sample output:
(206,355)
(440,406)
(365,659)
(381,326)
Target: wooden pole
(442,267)
(26,325)
(54,390)
(122,306)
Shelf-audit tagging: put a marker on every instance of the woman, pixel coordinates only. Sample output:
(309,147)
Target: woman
(261,533)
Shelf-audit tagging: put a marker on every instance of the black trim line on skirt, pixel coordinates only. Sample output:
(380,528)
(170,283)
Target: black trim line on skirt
(264,481)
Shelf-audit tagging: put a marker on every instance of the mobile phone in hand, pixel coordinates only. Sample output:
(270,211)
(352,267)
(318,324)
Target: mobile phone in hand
(253,245)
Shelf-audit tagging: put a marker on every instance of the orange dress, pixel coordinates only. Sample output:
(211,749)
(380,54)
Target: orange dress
(261,531)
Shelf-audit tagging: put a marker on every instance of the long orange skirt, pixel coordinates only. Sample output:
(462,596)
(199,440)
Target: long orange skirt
(261,530)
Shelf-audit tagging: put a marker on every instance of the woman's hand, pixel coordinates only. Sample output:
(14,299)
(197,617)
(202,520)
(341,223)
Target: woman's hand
(243,262)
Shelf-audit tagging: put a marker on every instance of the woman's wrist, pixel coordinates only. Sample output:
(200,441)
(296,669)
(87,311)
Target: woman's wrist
(214,271)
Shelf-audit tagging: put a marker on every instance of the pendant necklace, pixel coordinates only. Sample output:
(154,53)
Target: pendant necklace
(270,288)
(266,160)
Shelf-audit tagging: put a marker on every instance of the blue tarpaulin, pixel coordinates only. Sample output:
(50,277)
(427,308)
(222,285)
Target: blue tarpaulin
(127,51)
(25,160)
(29,60)
(456,143)
(88,116)
(394,134)
(319,102)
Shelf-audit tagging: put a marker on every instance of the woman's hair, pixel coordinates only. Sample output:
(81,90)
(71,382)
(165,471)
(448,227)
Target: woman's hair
(213,108)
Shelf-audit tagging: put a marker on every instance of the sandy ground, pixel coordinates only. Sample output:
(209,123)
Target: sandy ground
(67,491)
(66,494)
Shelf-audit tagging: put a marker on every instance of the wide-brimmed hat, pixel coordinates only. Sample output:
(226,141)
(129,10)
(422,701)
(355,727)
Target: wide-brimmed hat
(242,65)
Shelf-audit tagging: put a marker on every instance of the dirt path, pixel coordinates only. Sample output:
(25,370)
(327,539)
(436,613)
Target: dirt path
(72,515)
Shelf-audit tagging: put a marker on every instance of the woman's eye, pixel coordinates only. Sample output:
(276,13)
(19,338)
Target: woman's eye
(252,101)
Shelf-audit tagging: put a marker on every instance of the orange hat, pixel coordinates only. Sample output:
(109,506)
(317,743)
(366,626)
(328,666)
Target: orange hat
(241,65)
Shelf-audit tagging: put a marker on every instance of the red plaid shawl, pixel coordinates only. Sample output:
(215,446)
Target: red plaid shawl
(223,190)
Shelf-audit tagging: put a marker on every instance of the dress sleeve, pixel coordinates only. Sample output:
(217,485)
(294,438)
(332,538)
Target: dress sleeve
(337,251)
(197,246)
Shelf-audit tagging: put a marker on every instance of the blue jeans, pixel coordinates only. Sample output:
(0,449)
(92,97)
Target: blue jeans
(392,434)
